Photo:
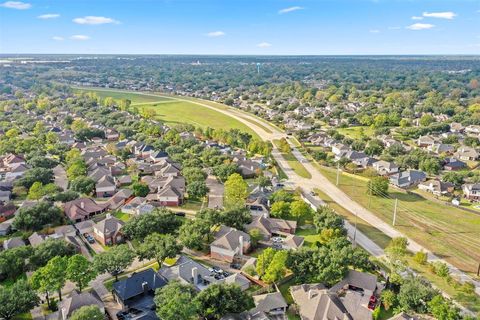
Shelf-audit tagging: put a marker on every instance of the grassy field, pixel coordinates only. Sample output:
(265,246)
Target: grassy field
(355,132)
(173,111)
(364,227)
(449,232)
(294,163)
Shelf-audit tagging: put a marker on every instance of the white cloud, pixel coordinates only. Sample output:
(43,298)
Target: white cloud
(374,31)
(420,26)
(79,37)
(440,15)
(290,9)
(394,28)
(57,38)
(417,18)
(264,45)
(49,16)
(94,20)
(16,5)
(215,34)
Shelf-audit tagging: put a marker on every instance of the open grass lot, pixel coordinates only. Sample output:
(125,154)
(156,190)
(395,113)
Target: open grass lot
(173,111)
(364,227)
(356,132)
(449,232)
(294,163)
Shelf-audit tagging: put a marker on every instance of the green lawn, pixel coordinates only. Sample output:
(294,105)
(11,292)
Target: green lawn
(173,111)
(364,227)
(356,132)
(122,216)
(294,163)
(449,232)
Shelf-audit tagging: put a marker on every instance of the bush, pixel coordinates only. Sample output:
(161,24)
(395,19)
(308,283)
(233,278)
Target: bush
(420,258)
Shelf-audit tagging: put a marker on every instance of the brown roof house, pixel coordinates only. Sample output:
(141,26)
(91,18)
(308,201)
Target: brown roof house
(83,209)
(271,226)
(108,231)
(77,300)
(314,302)
(229,244)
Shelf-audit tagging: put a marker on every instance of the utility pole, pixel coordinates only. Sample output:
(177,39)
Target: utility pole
(355,232)
(338,173)
(395,212)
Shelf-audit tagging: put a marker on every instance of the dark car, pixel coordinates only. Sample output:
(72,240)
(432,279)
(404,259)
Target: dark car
(180,214)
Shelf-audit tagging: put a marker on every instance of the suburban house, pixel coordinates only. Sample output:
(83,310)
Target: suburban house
(453,164)
(385,168)
(188,271)
(229,243)
(82,209)
(408,178)
(14,242)
(6,227)
(271,304)
(442,148)
(466,154)
(355,297)
(292,242)
(314,302)
(425,141)
(77,300)
(138,290)
(119,198)
(108,231)
(437,187)
(271,226)
(471,191)
(105,187)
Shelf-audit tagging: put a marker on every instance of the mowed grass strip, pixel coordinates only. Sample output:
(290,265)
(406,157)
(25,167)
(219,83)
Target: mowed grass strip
(294,163)
(449,232)
(173,111)
(176,112)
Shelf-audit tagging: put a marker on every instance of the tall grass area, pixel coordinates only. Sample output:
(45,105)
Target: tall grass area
(449,232)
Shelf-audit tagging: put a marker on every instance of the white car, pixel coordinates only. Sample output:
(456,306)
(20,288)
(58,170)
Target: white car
(277,240)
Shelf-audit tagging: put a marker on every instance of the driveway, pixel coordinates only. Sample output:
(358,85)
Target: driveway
(215,195)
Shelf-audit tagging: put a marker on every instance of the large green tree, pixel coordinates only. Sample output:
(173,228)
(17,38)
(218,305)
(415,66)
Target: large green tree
(160,221)
(159,247)
(88,313)
(218,300)
(115,260)
(236,191)
(17,299)
(176,301)
(80,271)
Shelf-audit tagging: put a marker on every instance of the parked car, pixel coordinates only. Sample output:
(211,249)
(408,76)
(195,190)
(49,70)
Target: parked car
(277,240)
(89,238)
(180,214)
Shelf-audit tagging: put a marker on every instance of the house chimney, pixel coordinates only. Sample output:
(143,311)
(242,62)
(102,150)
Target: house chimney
(195,275)
(82,205)
(240,244)
(108,216)
(265,215)
(145,286)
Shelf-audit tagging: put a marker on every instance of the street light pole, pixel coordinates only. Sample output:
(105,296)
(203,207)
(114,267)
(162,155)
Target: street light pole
(338,172)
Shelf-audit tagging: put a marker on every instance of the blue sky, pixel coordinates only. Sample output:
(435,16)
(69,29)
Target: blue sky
(241,26)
